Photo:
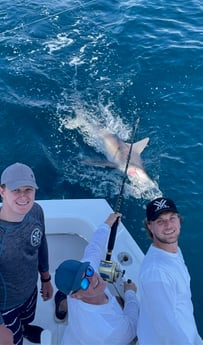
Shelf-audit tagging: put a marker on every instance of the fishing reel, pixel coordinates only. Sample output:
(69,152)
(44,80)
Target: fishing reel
(110,271)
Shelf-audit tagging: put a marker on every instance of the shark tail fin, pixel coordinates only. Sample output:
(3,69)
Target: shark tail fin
(139,146)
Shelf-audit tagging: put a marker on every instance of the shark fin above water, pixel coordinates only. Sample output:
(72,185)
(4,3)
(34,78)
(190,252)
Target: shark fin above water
(139,146)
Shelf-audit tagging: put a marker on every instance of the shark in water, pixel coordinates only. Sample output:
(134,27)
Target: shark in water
(117,151)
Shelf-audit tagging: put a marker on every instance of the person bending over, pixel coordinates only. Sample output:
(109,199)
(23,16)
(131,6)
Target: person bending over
(94,314)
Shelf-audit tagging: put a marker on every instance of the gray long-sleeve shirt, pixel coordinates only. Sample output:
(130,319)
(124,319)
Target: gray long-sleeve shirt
(23,253)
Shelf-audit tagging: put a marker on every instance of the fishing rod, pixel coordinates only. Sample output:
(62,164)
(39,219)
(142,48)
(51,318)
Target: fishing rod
(119,199)
(109,270)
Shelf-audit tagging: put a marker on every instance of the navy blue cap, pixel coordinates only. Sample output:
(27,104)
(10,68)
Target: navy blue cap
(158,206)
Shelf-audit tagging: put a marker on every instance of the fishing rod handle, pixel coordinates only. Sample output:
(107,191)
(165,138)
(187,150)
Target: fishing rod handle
(112,238)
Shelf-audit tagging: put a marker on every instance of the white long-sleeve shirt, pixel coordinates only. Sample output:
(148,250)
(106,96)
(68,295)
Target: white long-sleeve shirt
(166,310)
(106,324)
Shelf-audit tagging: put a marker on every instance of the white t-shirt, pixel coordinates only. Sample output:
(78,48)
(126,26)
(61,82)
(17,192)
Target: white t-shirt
(166,310)
(106,324)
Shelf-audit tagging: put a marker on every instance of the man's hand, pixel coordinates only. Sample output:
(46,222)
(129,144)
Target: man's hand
(112,218)
(6,335)
(129,285)
(46,291)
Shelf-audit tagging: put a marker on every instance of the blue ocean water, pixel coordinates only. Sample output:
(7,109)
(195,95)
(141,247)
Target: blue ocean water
(71,67)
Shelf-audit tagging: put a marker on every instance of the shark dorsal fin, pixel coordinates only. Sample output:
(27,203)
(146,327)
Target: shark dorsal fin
(139,146)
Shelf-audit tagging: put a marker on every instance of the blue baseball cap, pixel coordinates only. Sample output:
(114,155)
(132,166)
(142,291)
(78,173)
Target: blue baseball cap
(69,274)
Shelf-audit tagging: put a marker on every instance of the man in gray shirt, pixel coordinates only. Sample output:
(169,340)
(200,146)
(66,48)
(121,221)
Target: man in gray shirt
(23,253)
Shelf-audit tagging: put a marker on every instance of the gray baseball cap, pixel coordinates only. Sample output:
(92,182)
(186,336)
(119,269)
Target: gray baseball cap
(18,175)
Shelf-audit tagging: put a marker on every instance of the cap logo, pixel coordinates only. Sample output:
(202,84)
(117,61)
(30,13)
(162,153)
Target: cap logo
(160,204)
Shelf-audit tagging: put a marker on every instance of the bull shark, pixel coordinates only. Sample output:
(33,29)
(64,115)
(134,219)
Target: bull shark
(117,152)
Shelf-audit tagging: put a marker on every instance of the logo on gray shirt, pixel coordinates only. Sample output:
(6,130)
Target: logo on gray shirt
(36,237)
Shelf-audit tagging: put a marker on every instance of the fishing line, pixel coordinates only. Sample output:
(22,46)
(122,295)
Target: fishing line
(22,26)
(112,236)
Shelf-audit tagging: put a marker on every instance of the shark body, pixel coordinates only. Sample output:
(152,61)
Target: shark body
(116,152)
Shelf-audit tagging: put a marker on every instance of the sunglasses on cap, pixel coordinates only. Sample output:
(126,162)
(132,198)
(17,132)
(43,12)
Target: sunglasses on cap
(85,283)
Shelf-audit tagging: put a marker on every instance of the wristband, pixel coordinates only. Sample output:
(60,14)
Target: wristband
(46,280)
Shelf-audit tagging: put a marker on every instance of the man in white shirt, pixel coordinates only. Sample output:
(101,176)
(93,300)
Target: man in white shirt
(166,310)
(94,315)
